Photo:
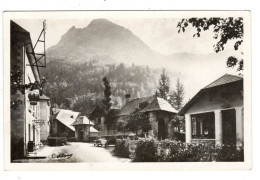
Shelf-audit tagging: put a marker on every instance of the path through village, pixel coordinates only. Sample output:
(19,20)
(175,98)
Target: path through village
(76,152)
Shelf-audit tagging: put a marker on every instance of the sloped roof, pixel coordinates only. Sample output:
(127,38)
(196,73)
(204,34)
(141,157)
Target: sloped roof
(223,80)
(159,104)
(16,28)
(92,129)
(82,120)
(133,105)
(67,117)
(97,111)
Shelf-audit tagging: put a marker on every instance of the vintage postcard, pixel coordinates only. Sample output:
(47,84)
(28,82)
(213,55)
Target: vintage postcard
(127,90)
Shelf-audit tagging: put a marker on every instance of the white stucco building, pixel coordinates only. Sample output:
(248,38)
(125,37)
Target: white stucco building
(215,113)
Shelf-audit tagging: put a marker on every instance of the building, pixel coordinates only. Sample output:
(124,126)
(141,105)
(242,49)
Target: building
(159,112)
(25,116)
(45,116)
(215,113)
(98,116)
(84,129)
(62,123)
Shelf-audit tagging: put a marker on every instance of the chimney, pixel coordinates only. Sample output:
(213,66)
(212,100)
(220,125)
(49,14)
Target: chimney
(127,98)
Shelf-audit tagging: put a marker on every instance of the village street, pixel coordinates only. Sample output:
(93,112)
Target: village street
(77,152)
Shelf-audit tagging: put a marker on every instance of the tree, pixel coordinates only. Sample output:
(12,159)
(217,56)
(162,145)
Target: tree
(137,121)
(83,104)
(107,92)
(178,95)
(67,103)
(224,29)
(164,86)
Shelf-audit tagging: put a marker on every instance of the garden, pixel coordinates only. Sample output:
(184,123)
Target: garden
(149,150)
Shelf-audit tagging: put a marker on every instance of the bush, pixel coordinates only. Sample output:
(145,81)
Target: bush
(177,151)
(122,148)
(229,153)
(146,151)
(174,151)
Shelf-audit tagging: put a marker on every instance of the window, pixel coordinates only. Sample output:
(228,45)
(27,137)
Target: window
(29,131)
(203,126)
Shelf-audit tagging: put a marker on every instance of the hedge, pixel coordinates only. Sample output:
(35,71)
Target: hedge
(148,150)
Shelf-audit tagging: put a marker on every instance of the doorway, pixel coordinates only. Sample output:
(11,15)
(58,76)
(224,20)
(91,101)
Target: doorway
(229,126)
(162,131)
(33,133)
(81,133)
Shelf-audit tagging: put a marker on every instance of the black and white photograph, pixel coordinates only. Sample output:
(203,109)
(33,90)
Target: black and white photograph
(125,88)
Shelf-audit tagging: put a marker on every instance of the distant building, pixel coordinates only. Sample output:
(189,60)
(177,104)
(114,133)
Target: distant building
(45,116)
(215,113)
(84,129)
(98,116)
(25,119)
(61,123)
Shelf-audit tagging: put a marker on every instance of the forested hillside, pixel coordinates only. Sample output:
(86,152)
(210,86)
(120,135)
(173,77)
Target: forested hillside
(79,86)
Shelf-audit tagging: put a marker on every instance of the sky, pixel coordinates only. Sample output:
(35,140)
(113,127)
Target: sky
(160,35)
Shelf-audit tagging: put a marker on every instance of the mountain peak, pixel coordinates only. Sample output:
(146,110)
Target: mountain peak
(104,24)
(97,21)
(103,38)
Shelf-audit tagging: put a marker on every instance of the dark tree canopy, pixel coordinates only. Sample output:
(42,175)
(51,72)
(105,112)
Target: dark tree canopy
(107,94)
(137,121)
(224,30)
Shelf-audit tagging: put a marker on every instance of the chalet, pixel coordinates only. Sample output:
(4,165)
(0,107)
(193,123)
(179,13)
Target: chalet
(84,129)
(159,112)
(25,118)
(215,113)
(61,123)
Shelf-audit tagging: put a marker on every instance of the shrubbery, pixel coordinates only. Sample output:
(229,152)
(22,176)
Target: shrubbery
(122,148)
(177,151)
(146,151)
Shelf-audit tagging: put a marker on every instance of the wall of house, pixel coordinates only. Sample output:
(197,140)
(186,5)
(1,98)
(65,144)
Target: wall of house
(154,123)
(85,129)
(60,129)
(45,115)
(32,111)
(212,100)
(18,114)
(154,118)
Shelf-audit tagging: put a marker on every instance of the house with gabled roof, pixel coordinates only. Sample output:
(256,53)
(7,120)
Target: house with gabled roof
(159,113)
(62,123)
(215,113)
(84,129)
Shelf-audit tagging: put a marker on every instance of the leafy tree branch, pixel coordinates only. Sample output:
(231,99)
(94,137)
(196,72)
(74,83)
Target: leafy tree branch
(224,30)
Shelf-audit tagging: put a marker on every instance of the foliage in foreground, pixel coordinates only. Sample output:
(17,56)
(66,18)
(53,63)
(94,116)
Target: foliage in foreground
(122,148)
(147,150)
